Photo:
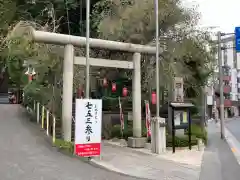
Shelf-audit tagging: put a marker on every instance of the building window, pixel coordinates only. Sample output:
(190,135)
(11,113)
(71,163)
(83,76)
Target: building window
(226,71)
(228,96)
(226,83)
(238,79)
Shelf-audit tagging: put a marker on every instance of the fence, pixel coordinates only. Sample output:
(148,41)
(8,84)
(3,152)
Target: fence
(48,121)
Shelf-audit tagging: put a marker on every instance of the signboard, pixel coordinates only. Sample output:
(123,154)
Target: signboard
(237,39)
(177,118)
(88,126)
(209,100)
(178,89)
(184,117)
(180,118)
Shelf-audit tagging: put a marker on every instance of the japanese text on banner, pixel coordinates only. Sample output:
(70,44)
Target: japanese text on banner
(88,121)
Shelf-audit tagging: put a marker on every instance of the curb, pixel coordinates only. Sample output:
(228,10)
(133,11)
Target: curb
(138,151)
(130,150)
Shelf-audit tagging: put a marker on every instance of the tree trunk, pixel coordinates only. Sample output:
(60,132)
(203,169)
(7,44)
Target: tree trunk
(203,108)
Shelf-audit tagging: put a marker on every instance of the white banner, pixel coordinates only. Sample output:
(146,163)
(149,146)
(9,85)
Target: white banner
(88,127)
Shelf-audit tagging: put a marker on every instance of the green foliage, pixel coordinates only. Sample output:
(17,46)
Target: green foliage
(116,132)
(180,141)
(66,146)
(15,70)
(187,52)
(200,133)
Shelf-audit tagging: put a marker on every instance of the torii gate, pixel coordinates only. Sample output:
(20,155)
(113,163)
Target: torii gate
(69,42)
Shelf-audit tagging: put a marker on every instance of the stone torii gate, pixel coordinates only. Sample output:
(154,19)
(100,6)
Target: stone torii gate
(69,41)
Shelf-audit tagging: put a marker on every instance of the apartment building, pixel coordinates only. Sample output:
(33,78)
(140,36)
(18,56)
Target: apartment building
(231,80)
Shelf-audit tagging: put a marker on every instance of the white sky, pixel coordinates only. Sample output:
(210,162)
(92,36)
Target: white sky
(224,14)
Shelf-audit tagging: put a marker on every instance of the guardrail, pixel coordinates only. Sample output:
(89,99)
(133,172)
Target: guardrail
(44,117)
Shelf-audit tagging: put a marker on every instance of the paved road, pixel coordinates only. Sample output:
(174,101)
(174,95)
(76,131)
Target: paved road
(234,127)
(25,155)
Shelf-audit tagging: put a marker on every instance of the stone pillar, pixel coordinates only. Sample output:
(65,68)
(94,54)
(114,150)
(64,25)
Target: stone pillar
(67,92)
(137,141)
(136,91)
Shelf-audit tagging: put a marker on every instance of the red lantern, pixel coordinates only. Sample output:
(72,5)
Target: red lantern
(124,92)
(30,77)
(154,98)
(80,92)
(105,82)
(114,87)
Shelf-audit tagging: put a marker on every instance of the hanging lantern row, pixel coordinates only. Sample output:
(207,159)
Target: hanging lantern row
(114,87)
(125,91)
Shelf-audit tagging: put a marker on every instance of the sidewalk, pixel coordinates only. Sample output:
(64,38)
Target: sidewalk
(143,164)
(218,160)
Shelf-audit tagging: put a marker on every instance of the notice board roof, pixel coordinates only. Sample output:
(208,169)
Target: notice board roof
(180,105)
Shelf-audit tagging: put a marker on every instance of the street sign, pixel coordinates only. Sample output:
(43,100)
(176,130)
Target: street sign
(237,39)
(88,127)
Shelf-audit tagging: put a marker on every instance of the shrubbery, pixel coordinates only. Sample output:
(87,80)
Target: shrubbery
(180,141)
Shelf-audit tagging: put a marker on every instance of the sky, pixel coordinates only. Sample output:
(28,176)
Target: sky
(222,14)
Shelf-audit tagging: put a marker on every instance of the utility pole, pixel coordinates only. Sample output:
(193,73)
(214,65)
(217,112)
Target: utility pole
(221,85)
(157,60)
(87,78)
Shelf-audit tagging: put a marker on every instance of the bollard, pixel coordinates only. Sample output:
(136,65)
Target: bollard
(47,117)
(38,112)
(158,135)
(42,117)
(200,144)
(54,130)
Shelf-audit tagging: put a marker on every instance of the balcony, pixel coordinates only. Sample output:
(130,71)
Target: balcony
(227,102)
(226,89)
(226,78)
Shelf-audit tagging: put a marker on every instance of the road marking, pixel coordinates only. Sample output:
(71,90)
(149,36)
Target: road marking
(233,150)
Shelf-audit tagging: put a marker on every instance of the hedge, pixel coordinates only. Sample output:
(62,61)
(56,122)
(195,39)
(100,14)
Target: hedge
(180,141)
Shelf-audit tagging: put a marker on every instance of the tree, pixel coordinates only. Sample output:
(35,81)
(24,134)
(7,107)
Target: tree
(185,48)
(184,53)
